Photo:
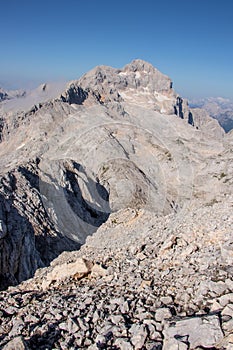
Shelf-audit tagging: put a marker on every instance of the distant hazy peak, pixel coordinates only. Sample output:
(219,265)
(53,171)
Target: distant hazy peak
(24,101)
(219,108)
(10,94)
(3,95)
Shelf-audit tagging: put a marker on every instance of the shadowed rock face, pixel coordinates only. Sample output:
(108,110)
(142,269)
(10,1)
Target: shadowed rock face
(3,95)
(112,140)
(30,236)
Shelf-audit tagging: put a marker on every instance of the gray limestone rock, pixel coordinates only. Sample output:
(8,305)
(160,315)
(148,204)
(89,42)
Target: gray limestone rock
(138,335)
(16,343)
(199,331)
(116,171)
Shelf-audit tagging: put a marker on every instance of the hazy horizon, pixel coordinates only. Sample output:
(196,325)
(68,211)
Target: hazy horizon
(191,42)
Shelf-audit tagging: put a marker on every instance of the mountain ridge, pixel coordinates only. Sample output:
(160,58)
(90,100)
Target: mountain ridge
(37,146)
(115,218)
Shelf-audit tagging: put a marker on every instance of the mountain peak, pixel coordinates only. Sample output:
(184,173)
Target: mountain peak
(139,65)
(138,80)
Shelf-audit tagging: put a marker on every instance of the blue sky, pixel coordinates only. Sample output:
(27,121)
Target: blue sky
(191,41)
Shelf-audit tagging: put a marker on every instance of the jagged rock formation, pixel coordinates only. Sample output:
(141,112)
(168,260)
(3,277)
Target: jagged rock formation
(138,83)
(116,162)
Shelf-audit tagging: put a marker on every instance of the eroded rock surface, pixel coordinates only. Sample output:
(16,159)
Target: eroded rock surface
(125,194)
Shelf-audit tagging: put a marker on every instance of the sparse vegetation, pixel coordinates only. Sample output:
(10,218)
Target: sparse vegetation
(104,169)
(168,155)
(212,202)
(222,175)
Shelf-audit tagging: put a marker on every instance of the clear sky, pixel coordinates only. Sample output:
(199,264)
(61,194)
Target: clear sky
(189,40)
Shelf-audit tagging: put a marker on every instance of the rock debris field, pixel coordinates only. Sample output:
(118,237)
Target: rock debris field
(152,290)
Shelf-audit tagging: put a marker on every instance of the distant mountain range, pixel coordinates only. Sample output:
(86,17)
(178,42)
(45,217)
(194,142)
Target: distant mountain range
(218,108)
(10,94)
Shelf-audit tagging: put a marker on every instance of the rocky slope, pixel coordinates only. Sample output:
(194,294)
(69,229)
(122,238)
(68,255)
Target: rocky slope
(219,108)
(118,162)
(140,282)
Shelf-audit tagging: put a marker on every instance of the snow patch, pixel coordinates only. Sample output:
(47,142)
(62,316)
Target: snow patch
(21,146)
(161,97)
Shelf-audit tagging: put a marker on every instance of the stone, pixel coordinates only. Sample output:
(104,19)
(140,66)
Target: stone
(100,340)
(145,284)
(123,343)
(226,299)
(138,335)
(117,319)
(17,327)
(72,326)
(226,342)
(153,334)
(166,300)
(228,310)
(98,271)
(173,344)
(215,306)
(201,331)
(227,325)
(229,283)
(10,310)
(63,326)
(124,307)
(16,343)
(78,269)
(217,287)
(162,314)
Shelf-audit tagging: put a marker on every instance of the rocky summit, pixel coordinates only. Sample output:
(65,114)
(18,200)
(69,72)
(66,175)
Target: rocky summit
(115,217)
